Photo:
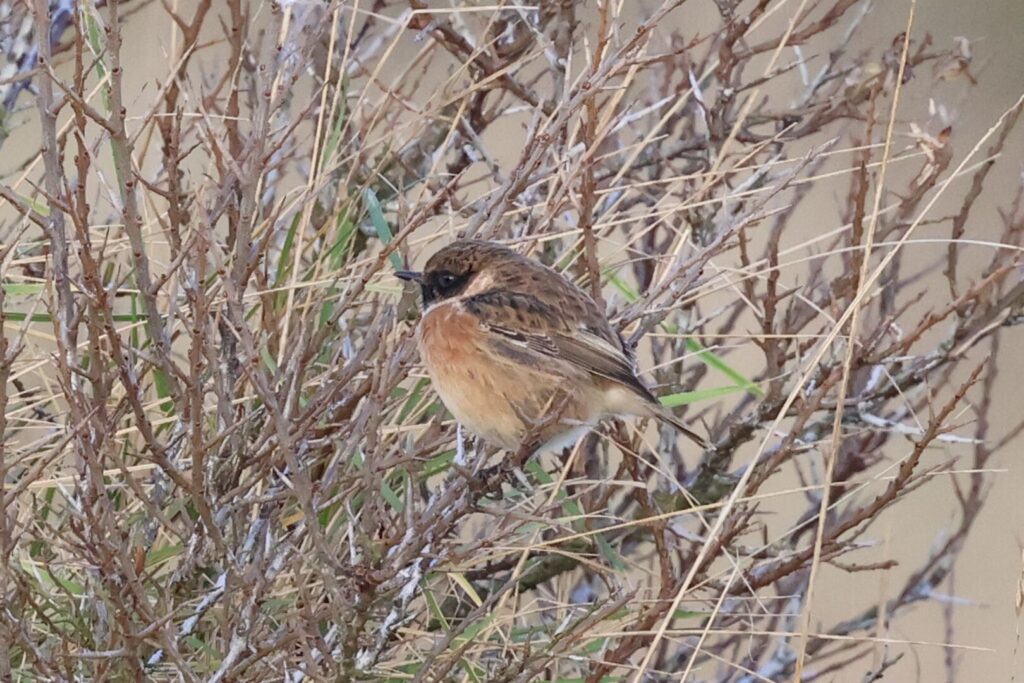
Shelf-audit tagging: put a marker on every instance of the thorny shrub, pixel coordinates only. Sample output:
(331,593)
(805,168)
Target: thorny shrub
(222,461)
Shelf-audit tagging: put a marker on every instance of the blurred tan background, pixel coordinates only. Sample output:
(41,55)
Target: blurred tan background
(989,570)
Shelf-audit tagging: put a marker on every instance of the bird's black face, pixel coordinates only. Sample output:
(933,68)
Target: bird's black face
(437,285)
(451,270)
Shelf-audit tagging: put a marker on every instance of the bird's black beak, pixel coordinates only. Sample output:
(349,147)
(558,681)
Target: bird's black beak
(409,276)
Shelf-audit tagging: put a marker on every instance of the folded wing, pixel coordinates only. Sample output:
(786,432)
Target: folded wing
(528,331)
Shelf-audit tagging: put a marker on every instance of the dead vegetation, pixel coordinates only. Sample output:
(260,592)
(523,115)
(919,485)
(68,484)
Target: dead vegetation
(222,462)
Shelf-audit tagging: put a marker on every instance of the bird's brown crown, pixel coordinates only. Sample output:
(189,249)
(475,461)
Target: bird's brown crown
(452,269)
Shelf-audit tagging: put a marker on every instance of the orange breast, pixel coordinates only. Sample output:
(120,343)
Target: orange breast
(486,393)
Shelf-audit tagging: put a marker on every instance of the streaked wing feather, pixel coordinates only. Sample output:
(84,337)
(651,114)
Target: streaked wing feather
(600,358)
(543,337)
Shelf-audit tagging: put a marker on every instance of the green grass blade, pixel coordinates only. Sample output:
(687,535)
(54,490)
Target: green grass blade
(706,356)
(337,255)
(284,262)
(391,497)
(380,224)
(22,288)
(334,137)
(685,398)
(413,400)
(435,608)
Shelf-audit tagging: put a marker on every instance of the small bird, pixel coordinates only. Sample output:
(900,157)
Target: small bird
(505,338)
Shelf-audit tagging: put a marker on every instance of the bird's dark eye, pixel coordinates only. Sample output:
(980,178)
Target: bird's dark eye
(442,285)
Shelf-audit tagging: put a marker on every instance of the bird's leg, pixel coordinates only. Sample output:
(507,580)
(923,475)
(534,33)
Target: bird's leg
(480,454)
(460,446)
(468,463)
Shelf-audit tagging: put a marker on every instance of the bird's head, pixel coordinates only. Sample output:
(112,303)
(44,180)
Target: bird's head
(460,266)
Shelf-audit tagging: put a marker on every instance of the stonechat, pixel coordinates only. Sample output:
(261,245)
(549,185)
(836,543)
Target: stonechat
(504,338)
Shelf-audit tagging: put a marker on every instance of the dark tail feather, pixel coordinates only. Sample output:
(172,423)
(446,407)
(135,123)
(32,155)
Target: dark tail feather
(665,416)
